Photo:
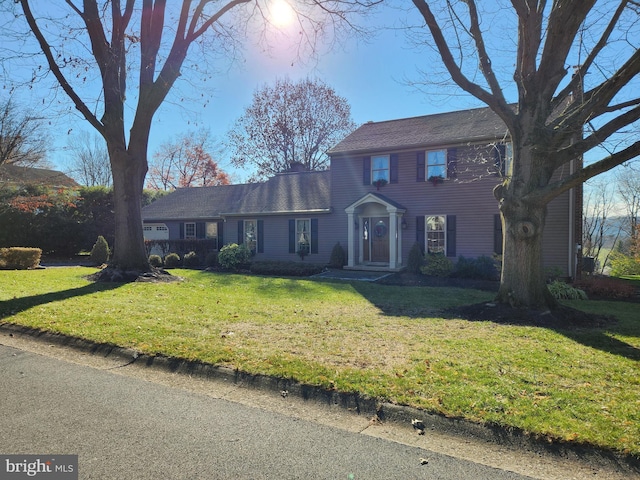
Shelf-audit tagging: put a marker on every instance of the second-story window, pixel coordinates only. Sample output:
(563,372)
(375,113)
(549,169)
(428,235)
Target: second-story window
(380,168)
(436,164)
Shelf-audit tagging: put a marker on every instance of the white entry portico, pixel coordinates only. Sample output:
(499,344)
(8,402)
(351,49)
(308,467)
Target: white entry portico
(374,226)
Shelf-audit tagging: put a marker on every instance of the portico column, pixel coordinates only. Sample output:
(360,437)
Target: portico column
(393,237)
(350,239)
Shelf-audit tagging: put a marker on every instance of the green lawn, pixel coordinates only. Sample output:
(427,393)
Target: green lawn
(384,341)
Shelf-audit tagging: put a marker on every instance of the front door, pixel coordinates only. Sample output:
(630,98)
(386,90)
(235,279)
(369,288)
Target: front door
(378,239)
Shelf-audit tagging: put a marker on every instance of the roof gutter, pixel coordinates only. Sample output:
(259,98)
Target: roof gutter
(278,212)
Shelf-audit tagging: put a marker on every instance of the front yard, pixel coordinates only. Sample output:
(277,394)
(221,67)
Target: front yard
(579,385)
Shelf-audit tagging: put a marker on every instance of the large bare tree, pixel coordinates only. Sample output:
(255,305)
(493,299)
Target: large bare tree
(290,122)
(89,163)
(92,43)
(574,68)
(23,139)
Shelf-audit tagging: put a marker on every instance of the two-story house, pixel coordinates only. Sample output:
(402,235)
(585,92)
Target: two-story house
(391,184)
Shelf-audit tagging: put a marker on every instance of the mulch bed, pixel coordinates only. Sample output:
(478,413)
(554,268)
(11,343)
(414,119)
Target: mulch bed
(563,318)
(419,280)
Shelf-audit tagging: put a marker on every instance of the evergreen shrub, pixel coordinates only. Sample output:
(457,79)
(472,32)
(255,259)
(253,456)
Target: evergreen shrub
(100,251)
(191,259)
(338,257)
(155,261)
(437,265)
(172,260)
(416,259)
(19,258)
(233,256)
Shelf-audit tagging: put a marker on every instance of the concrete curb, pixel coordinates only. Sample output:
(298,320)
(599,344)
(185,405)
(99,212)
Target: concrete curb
(352,401)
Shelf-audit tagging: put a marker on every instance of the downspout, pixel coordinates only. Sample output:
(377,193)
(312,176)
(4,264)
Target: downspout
(572,263)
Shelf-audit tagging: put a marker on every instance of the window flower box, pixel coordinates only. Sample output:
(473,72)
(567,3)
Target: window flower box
(435,179)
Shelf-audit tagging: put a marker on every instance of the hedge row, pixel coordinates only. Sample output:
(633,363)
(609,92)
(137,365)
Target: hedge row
(19,258)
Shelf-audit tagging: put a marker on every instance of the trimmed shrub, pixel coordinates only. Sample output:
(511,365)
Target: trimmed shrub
(155,261)
(338,257)
(563,291)
(437,265)
(19,258)
(416,259)
(172,260)
(211,260)
(482,268)
(287,269)
(232,256)
(191,259)
(100,251)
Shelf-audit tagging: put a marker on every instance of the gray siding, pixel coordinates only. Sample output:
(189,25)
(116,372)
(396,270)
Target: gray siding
(468,195)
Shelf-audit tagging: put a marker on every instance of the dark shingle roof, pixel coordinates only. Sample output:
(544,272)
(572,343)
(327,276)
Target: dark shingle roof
(37,176)
(288,192)
(430,130)
(283,193)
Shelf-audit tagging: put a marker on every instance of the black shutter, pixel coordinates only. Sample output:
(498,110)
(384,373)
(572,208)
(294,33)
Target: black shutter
(366,171)
(451,235)
(220,234)
(240,232)
(497,234)
(260,236)
(420,231)
(181,231)
(314,235)
(452,163)
(200,230)
(292,236)
(420,168)
(393,165)
(499,153)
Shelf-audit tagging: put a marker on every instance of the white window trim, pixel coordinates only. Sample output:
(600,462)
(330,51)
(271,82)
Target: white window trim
(388,169)
(308,220)
(427,164)
(195,233)
(206,233)
(255,231)
(426,232)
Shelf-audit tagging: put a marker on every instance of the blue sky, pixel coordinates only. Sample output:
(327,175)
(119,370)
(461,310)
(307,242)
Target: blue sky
(372,75)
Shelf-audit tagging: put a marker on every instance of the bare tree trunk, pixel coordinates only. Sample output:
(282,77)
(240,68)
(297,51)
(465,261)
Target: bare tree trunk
(128,180)
(522,281)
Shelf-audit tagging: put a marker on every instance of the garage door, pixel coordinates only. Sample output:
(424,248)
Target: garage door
(155,231)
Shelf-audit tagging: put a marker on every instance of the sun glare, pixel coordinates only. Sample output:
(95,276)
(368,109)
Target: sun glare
(281,13)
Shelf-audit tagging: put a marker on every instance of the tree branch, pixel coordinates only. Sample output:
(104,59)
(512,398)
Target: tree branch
(582,70)
(57,72)
(497,105)
(551,191)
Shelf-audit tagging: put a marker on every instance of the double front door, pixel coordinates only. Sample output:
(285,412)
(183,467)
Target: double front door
(375,239)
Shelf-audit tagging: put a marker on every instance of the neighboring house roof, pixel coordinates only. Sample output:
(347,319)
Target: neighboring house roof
(283,193)
(38,176)
(430,130)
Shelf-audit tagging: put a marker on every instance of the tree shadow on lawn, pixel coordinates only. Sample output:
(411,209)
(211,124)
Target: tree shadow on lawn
(588,329)
(20,304)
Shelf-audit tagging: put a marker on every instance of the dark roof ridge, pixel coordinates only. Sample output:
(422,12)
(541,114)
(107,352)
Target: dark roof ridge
(431,115)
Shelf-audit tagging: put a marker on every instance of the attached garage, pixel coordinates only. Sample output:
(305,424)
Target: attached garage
(155,231)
